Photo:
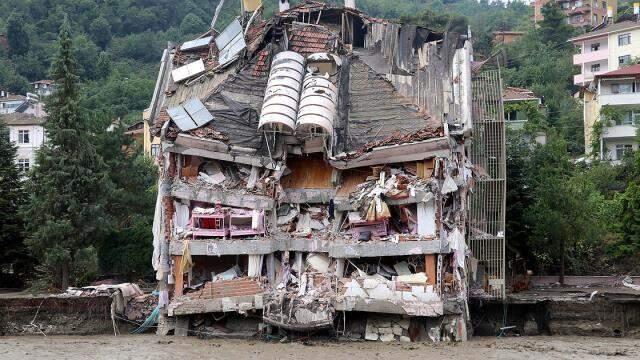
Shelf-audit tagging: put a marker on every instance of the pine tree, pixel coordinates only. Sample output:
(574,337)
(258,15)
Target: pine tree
(12,249)
(68,188)
(554,28)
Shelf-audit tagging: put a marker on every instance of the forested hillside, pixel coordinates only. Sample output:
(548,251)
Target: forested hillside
(119,42)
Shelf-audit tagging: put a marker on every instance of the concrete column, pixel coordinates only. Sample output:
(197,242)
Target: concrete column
(340,268)
(271,268)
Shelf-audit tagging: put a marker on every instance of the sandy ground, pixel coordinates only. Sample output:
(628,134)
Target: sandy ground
(151,347)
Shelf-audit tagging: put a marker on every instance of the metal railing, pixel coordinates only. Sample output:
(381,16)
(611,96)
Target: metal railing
(488,200)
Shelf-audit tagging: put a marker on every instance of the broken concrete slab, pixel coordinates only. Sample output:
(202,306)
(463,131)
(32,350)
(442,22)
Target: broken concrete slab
(227,198)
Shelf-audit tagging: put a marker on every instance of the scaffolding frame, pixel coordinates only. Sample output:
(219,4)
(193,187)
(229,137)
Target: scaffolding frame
(487,208)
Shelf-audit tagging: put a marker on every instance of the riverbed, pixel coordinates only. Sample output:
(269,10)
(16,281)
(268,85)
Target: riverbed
(153,347)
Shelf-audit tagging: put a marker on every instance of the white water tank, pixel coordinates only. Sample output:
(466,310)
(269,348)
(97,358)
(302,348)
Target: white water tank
(280,106)
(350,4)
(318,106)
(283,5)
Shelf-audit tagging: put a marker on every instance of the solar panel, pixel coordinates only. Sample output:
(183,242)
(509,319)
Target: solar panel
(228,34)
(195,108)
(230,42)
(190,115)
(197,43)
(187,71)
(181,118)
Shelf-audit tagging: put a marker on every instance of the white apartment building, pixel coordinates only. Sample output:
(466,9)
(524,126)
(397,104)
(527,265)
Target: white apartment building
(27,132)
(9,102)
(619,90)
(605,49)
(43,87)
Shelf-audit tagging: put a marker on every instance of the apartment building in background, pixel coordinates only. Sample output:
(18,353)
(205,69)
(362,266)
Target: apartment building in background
(619,90)
(10,102)
(580,13)
(606,49)
(26,131)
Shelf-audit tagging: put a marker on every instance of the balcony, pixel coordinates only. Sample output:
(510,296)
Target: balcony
(619,131)
(619,99)
(591,56)
(583,79)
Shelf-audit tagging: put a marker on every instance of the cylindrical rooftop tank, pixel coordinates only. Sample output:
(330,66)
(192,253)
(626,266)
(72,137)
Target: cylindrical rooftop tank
(282,94)
(318,106)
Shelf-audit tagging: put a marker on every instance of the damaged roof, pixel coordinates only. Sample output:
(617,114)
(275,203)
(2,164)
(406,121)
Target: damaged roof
(371,111)
(376,109)
(308,39)
(511,93)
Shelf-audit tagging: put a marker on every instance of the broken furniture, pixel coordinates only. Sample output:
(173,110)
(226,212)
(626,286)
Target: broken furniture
(361,227)
(210,225)
(246,222)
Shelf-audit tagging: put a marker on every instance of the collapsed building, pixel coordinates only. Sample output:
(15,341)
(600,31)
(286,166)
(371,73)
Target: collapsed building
(315,173)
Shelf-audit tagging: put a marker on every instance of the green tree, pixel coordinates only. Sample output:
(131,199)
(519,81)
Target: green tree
(554,28)
(630,222)
(100,31)
(562,217)
(87,55)
(131,204)
(192,24)
(17,35)
(65,212)
(13,253)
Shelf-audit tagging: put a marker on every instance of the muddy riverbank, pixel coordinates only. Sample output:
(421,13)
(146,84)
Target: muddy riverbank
(153,347)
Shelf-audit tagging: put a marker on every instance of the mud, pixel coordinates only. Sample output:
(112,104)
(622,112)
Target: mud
(153,347)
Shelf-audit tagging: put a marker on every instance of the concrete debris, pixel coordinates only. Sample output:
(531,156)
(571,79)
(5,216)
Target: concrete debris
(387,328)
(230,274)
(319,262)
(449,185)
(402,268)
(628,282)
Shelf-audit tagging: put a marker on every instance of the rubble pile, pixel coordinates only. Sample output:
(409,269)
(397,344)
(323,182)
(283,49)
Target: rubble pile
(303,297)
(302,221)
(222,175)
(387,328)
(140,307)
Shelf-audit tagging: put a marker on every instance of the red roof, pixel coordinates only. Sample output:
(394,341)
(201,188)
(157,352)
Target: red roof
(46,82)
(633,70)
(515,93)
(311,39)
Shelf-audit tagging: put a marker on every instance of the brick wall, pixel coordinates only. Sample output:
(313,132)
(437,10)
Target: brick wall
(228,288)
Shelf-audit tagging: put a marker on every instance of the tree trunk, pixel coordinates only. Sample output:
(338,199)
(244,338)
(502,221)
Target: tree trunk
(562,256)
(65,276)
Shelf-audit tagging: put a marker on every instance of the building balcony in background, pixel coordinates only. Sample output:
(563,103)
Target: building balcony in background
(579,59)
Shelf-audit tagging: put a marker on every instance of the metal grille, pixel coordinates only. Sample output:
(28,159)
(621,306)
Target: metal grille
(487,203)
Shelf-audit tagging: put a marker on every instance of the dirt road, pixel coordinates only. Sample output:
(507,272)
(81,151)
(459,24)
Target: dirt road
(152,347)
